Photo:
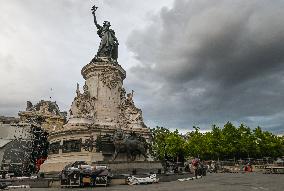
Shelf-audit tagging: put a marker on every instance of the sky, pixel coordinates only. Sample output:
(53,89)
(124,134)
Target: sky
(190,62)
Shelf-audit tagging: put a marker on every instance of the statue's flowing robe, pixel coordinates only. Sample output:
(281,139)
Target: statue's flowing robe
(108,46)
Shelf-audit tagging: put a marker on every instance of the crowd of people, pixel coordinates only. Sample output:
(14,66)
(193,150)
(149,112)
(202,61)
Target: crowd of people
(200,167)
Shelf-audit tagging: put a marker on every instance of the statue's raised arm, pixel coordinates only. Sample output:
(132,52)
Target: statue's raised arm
(109,43)
(94,8)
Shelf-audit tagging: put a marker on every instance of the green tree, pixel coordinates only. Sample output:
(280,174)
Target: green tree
(194,143)
(158,143)
(167,145)
(219,143)
(175,146)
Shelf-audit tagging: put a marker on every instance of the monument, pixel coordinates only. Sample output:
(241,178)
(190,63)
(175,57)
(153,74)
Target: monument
(104,123)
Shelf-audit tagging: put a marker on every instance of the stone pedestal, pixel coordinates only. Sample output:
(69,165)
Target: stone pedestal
(140,167)
(100,110)
(105,80)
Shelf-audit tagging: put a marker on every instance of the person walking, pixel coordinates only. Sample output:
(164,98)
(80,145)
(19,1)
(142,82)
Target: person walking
(195,165)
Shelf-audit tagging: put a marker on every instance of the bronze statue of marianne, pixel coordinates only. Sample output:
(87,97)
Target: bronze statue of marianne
(109,43)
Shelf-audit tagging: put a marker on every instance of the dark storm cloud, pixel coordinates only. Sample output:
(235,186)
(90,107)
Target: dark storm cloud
(211,62)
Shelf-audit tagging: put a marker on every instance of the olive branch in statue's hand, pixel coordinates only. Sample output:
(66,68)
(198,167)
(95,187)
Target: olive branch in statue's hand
(94,8)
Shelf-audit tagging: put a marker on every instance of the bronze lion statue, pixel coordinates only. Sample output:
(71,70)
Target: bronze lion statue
(131,145)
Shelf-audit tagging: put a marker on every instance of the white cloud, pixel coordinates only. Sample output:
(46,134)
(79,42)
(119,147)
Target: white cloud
(44,45)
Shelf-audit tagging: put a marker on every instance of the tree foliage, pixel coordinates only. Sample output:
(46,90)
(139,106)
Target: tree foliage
(219,143)
(167,145)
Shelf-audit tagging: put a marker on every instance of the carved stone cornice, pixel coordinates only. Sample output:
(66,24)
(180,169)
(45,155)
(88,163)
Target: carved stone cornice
(97,67)
(88,129)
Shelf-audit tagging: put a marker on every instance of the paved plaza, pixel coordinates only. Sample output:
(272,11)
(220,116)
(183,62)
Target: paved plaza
(212,182)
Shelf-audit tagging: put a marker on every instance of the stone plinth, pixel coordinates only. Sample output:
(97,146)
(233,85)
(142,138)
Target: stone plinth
(127,167)
(104,81)
(57,162)
(101,109)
